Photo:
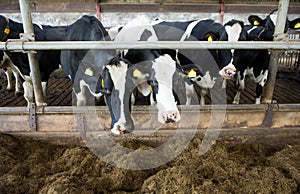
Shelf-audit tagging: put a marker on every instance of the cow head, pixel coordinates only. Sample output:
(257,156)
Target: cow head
(158,74)
(233,31)
(149,67)
(269,24)
(164,67)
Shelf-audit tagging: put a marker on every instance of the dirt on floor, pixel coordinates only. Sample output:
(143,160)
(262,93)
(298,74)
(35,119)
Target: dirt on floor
(33,166)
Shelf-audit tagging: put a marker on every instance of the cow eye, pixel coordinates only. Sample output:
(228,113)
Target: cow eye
(199,79)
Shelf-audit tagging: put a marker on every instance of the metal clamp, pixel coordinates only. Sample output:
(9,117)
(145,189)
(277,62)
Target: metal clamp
(27,37)
(32,118)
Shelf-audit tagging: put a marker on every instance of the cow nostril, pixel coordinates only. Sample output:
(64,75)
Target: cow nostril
(169,120)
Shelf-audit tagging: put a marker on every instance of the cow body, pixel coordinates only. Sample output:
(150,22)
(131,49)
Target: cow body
(86,68)
(255,63)
(48,60)
(207,65)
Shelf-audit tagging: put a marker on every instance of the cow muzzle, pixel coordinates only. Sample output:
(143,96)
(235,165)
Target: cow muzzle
(228,72)
(171,117)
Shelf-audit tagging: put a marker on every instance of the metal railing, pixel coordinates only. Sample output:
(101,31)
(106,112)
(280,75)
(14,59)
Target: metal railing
(22,46)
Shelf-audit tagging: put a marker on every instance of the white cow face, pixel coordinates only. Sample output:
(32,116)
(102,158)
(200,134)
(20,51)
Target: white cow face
(164,68)
(233,32)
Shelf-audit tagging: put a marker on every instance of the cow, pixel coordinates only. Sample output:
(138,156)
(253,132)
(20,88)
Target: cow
(150,69)
(87,69)
(269,23)
(205,66)
(48,60)
(9,69)
(255,63)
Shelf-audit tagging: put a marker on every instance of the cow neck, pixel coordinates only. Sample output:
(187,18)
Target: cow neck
(260,33)
(15,29)
(6,30)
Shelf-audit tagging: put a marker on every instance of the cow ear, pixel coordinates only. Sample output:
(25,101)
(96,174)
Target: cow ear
(256,20)
(210,36)
(295,24)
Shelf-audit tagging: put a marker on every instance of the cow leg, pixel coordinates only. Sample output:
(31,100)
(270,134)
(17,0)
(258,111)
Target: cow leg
(189,91)
(44,88)
(203,94)
(8,74)
(80,96)
(260,87)
(28,92)
(241,86)
(259,91)
(132,99)
(152,101)
(17,86)
(108,102)
(224,84)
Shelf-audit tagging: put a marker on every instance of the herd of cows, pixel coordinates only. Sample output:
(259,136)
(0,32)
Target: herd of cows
(116,73)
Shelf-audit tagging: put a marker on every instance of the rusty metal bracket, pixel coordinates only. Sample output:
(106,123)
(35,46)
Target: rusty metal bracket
(32,118)
(25,37)
(267,122)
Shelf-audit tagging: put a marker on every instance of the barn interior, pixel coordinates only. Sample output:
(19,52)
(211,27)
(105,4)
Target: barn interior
(217,148)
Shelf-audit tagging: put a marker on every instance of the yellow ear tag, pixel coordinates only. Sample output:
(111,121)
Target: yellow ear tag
(102,83)
(6,31)
(192,73)
(89,72)
(137,73)
(256,23)
(210,39)
(297,25)
(151,90)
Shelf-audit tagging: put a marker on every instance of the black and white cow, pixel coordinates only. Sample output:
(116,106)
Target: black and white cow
(87,69)
(150,68)
(255,63)
(207,66)
(48,60)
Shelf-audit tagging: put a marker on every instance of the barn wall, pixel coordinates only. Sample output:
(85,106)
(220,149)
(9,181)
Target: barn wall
(158,1)
(66,12)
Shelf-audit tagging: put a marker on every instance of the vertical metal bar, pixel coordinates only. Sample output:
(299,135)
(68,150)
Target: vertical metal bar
(273,65)
(33,60)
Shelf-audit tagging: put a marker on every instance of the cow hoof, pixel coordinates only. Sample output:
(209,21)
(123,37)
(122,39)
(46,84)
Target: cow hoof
(18,94)
(115,131)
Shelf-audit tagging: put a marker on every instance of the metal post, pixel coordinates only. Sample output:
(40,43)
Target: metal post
(33,61)
(278,35)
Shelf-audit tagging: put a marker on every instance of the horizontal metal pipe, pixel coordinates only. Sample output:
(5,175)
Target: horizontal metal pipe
(75,45)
